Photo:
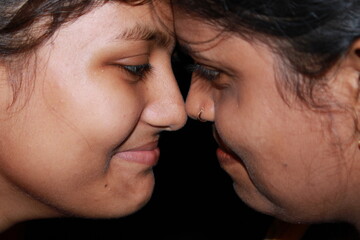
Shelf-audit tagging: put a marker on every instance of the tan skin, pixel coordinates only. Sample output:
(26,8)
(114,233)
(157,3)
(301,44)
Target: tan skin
(285,159)
(85,142)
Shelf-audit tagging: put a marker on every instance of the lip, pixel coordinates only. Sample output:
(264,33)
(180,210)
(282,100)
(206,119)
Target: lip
(225,158)
(147,154)
(220,142)
(224,154)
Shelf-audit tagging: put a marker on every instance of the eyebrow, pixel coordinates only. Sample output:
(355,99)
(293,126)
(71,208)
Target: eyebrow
(187,48)
(197,55)
(146,33)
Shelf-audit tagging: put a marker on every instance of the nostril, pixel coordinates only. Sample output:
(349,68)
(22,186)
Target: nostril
(357,52)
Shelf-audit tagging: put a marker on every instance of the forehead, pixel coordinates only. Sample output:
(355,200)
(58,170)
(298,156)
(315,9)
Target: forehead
(196,35)
(109,21)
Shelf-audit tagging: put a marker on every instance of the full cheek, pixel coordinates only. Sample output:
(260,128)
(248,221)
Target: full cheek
(296,170)
(107,122)
(237,135)
(230,124)
(280,172)
(68,140)
(45,164)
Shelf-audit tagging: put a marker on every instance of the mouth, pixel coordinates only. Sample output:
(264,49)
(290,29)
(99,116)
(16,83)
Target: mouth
(147,154)
(224,154)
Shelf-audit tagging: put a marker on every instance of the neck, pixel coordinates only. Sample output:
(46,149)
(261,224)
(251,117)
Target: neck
(5,223)
(17,206)
(356,223)
(351,207)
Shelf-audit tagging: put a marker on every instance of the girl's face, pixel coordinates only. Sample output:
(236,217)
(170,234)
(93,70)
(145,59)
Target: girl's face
(86,140)
(283,158)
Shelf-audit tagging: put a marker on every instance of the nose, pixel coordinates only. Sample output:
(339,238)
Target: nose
(165,107)
(199,102)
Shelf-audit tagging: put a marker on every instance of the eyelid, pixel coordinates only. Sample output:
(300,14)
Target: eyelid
(203,71)
(138,71)
(135,59)
(196,66)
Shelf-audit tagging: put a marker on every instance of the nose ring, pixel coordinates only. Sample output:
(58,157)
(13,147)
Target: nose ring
(199,115)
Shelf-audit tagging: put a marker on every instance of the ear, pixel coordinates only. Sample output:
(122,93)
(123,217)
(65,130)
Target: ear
(349,79)
(353,56)
(346,84)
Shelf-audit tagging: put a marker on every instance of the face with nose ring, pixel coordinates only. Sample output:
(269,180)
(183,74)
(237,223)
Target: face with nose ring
(280,155)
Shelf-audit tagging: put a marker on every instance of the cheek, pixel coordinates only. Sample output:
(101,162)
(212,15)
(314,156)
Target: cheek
(100,110)
(66,134)
(288,159)
(291,161)
(58,146)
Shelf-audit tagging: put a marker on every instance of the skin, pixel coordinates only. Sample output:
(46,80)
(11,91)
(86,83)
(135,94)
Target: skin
(85,141)
(285,159)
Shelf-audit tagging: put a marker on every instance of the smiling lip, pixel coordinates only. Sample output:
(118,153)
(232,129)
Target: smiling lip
(147,154)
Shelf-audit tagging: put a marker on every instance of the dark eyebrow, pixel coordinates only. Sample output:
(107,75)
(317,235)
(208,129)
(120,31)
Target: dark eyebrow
(200,46)
(147,33)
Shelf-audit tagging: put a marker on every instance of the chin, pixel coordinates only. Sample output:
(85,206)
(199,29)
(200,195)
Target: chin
(261,204)
(118,208)
(109,210)
(111,205)
(255,200)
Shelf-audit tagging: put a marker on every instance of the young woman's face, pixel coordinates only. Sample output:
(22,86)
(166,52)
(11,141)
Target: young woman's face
(86,140)
(282,157)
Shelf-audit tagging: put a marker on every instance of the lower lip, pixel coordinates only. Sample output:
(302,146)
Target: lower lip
(149,157)
(224,157)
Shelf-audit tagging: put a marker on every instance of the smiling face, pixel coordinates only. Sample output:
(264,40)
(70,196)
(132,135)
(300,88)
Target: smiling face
(282,157)
(86,140)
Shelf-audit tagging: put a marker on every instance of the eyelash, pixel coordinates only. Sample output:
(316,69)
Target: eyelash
(139,71)
(204,72)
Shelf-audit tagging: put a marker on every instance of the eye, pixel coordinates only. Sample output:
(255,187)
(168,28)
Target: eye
(138,71)
(204,72)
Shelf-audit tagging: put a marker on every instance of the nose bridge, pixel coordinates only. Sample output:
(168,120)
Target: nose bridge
(166,108)
(174,103)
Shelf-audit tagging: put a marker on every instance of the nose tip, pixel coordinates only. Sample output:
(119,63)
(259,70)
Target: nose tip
(166,107)
(178,115)
(197,113)
(167,113)
(190,109)
(199,106)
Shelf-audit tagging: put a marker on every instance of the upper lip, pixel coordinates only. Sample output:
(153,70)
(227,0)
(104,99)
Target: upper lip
(221,143)
(225,148)
(144,147)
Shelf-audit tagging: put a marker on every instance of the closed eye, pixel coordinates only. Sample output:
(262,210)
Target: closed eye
(204,72)
(138,70)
